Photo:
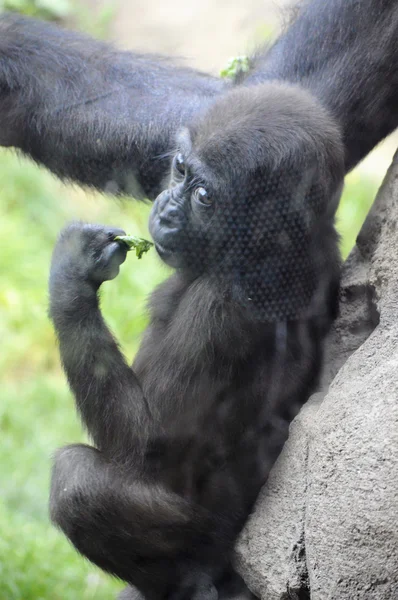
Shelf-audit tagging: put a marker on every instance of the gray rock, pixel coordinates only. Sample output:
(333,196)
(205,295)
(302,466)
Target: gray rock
(271,551)
(326,524)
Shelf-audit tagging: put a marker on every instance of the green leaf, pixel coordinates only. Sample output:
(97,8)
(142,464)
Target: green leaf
(236,66)
(131,241)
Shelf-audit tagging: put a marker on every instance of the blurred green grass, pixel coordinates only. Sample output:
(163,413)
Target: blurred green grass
(36,409)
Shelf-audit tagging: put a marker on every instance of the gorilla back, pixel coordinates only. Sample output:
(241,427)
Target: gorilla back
(185,438)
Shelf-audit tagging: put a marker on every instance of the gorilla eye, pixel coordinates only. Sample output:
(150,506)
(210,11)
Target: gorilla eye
(179,164)
(201,196)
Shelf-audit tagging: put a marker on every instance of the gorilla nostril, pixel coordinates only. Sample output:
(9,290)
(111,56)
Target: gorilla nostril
(170,215)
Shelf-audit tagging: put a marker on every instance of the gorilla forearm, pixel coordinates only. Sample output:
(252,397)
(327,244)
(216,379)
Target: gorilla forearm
(345,52)
(108,395)
(90,113)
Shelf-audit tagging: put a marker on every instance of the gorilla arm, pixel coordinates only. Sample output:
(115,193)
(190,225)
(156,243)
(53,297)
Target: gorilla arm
(108,394)
(92,114)
(345,53)
(109,119)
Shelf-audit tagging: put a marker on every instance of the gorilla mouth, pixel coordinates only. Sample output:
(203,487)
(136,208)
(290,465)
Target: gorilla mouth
(169,255)
(163,252)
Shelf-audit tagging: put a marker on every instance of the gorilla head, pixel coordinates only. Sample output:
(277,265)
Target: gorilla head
(252,195)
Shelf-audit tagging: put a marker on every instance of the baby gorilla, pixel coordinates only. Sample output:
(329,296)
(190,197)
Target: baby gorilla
(185,438)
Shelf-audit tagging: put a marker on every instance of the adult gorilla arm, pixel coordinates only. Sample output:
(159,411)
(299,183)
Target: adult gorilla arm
(90,113)
(345,52)
(108,118)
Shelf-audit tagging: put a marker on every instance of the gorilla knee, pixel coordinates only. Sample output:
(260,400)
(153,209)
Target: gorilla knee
(70,488)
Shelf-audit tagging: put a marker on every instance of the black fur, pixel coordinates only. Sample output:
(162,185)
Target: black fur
(345,53)
(109,119)
(90,113)
(185,439)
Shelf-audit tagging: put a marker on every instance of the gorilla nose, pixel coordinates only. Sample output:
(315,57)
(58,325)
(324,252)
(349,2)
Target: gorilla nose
(162,200)
(170,214)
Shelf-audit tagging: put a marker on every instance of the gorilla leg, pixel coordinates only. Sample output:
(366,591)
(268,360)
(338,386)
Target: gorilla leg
(137,531)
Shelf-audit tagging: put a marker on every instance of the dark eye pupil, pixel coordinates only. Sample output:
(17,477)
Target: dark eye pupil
(180,164)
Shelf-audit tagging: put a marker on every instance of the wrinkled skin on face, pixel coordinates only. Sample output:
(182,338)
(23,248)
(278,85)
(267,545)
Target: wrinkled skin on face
(182,216)
(241,206)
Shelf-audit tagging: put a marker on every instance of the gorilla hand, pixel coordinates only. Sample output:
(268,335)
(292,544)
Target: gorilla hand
(88,253)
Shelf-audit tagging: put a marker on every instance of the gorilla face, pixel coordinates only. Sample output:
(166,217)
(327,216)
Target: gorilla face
(240,204)
(181,218)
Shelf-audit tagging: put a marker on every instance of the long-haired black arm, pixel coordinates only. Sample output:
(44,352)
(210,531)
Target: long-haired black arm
(90,113)
(346,53)
(108,118)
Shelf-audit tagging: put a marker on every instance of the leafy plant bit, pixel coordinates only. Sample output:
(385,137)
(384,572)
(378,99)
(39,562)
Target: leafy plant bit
(131,241)
(235,67)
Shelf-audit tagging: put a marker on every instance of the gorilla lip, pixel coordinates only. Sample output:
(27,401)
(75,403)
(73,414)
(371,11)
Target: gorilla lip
(162,251)
(168,255)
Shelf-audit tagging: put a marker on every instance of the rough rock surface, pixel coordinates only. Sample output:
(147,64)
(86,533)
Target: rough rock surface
(326,524)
